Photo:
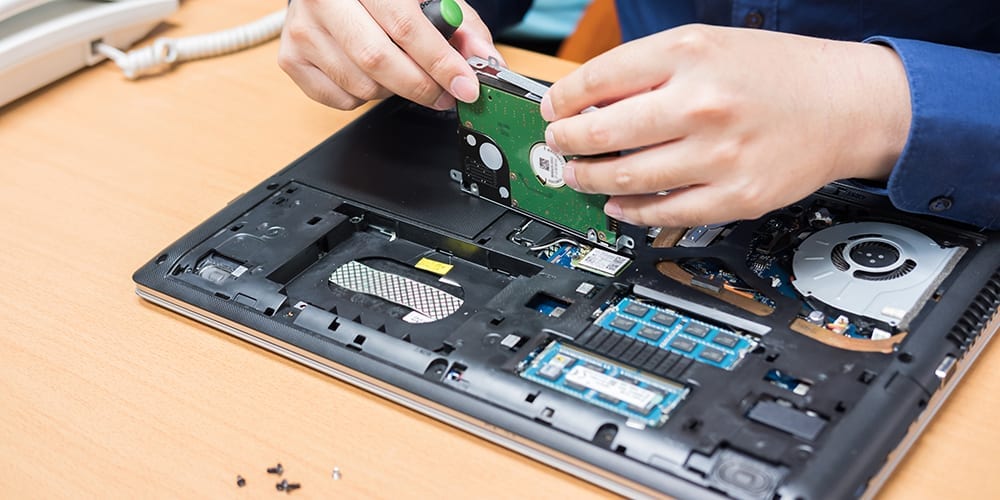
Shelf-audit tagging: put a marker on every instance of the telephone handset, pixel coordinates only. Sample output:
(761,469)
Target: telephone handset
(44,40)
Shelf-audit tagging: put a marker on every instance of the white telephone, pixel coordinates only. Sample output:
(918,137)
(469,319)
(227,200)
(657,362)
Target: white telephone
(44,40)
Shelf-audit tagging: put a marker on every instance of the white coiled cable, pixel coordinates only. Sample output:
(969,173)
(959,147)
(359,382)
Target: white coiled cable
(175,50)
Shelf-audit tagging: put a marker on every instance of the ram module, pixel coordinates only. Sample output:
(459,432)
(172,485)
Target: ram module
(676,332)
(640,398)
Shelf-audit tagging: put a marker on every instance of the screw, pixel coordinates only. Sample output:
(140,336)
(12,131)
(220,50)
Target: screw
(336,473)
(277,469)
(284,485)
(240,481)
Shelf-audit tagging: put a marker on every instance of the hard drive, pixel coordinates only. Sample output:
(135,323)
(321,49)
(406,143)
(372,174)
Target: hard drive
(505,158)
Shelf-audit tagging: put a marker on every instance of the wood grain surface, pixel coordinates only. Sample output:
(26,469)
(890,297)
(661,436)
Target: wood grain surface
(104,395)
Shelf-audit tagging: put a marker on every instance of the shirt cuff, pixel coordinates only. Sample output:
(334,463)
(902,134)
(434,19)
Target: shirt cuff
(950,166)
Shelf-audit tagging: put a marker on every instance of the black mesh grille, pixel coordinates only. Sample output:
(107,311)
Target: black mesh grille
(978,314)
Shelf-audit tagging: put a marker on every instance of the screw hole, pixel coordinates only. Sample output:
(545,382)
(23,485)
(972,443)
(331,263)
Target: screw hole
(692,425)
(272,186)
(905,357)
(867,377)
(161,259)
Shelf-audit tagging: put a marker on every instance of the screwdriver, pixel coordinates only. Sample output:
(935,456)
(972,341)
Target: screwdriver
(446,15)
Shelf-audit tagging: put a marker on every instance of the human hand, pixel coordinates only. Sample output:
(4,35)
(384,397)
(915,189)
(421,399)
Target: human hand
(344,53)
(732,122)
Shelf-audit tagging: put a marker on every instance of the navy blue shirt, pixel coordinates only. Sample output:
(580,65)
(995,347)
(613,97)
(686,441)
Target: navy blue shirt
(950,165)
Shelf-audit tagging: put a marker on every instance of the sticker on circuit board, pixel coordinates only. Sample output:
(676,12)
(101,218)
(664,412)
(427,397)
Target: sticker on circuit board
(646,401)
(547,165)
(426,300)
(603,262)
(595,260)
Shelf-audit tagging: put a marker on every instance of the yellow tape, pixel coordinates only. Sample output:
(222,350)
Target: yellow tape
(439,268)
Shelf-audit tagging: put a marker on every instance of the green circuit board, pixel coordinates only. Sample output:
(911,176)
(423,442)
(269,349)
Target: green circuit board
(530,171)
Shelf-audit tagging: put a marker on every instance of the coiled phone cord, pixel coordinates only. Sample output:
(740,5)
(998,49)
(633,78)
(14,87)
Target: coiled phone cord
(176,50)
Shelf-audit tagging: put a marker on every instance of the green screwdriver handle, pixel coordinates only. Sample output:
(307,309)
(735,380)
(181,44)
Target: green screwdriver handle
(446,15)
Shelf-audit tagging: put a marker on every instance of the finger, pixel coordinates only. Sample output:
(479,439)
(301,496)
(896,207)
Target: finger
(322,52)
(372,54)
(474,38)
(405,24)
(318,86)
(313,81)
(470,44)
(306,47)
(641,120)
(661,168)
(688,207)
(618,73)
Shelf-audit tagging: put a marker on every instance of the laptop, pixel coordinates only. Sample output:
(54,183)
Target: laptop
(798,355)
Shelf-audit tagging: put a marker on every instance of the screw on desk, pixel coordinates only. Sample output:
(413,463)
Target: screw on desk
(336,473)
(240,481)
(277,469)
(284,485)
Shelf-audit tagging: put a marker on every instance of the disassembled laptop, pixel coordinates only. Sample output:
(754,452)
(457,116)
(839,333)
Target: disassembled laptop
(794,356)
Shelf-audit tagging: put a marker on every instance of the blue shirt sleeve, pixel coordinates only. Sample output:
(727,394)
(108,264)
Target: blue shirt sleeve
(500,14)
(950,166)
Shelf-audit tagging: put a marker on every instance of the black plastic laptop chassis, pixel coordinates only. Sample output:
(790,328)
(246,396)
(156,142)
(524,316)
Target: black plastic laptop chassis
(697,365)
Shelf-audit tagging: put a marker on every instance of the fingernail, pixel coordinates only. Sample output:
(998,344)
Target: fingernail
(464,89)
(569,175)
(548,113)
(443,102)
(614,210)
(550,139)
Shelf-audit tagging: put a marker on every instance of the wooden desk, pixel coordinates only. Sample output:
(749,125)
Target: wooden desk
(102,394)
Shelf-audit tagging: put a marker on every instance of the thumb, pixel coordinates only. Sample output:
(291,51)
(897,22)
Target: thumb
(473,38)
